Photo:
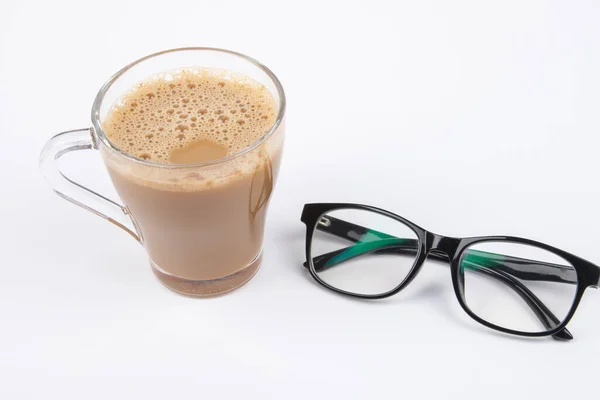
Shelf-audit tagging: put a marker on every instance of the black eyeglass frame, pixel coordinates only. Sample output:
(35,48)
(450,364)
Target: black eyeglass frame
(588,274)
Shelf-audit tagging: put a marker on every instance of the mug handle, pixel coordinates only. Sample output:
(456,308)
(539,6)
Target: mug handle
(81,139)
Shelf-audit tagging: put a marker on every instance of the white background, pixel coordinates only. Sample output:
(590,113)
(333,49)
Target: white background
(469,118)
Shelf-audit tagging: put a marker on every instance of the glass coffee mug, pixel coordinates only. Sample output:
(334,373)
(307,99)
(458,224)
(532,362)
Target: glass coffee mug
(201,224)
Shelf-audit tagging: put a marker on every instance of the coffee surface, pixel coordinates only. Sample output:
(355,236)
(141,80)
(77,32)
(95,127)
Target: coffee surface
(191,116)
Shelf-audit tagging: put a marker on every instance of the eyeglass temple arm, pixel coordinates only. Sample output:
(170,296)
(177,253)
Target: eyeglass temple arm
(383,243)
(546,317)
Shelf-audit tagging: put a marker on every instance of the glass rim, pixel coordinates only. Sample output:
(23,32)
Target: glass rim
(100,134)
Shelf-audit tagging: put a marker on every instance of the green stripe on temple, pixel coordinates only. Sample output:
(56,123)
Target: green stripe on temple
(372,241)
(363,247)
(481,259)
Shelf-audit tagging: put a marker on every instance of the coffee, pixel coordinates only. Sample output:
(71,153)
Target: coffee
(203,225)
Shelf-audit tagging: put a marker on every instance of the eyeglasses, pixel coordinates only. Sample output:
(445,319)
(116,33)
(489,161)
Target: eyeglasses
(514,285)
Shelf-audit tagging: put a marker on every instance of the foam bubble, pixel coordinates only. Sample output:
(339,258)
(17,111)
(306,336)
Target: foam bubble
(174,109)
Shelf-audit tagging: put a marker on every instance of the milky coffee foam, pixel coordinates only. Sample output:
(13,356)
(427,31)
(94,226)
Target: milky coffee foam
(175,109)
(171,111)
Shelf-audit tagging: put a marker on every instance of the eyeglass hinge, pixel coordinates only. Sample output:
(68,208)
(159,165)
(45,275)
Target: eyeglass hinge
(326,222)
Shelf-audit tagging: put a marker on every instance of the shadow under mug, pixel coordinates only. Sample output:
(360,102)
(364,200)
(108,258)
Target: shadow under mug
(201,224)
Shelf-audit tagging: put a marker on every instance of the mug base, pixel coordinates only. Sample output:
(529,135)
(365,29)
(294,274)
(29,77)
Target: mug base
(208,288)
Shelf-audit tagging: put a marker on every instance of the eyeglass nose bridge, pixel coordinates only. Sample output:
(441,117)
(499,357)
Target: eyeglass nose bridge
(441,244)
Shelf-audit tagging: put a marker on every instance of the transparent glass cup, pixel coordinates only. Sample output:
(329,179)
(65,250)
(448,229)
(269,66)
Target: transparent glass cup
(201,224)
